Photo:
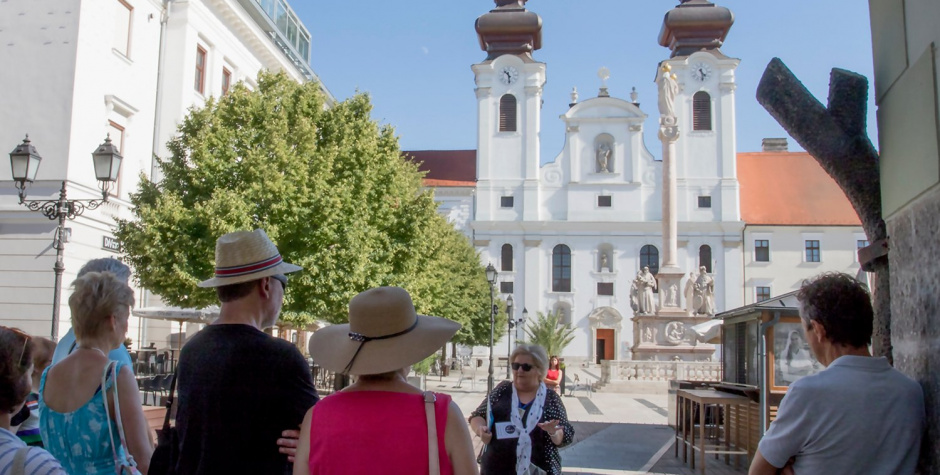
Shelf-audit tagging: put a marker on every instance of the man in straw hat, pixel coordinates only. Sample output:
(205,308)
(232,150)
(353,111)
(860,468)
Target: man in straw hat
(240,388)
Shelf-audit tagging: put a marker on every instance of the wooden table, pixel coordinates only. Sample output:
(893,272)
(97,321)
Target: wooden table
(686,402)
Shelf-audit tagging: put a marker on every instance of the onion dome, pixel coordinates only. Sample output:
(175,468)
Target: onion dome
(509,29)
(695,25)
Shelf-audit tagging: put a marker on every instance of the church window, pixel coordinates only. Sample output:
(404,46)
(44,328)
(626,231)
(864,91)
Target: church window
(200,83)
(704,201)
(507,113)
(701,111)
(505,287)
(605,288)
(649,257)
(505,202)
(122,28)
(561,269)
(762,250)
(506,258)
(603,201)
(705,258)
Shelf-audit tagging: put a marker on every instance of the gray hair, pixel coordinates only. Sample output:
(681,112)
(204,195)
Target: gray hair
(538,354)
(107,264)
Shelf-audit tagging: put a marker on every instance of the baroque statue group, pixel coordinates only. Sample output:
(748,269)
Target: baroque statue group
(699,293)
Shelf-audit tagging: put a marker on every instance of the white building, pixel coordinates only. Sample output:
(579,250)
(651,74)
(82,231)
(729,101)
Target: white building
(80,70)
(571,235)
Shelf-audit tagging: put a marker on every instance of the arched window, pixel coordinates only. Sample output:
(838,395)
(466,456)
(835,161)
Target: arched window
(506,257)
(705,258)
(701,111)
(561,269)
(649,257)
(507,113)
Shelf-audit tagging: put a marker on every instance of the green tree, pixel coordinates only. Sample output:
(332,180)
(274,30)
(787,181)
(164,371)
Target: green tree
(328,185)
(550,333)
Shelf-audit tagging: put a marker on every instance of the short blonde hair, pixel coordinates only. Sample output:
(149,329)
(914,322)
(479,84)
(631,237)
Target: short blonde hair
(97,296)
(538,354)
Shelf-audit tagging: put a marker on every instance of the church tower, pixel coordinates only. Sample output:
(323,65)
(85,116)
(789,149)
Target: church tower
(694,32)
(509,96)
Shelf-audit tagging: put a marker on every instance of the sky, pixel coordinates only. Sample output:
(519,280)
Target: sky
(413,58)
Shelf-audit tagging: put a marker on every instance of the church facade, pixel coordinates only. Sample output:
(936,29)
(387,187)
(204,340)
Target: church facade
(573,235)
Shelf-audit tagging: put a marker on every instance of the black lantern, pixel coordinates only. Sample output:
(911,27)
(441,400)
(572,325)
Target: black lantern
(24,162)
(107,161)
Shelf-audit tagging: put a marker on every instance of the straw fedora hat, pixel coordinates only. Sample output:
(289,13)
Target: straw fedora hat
(243,256)
(384,334)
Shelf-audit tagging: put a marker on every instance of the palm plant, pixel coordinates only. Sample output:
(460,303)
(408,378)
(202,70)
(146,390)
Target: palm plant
(550,333)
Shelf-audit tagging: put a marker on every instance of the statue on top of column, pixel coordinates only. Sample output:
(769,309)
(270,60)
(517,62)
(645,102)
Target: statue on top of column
(668,89)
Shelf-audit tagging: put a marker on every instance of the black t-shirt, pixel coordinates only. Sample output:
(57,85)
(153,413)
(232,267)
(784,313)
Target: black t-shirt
(238,389)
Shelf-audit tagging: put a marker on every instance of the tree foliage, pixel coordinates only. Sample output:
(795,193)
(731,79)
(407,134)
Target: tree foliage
(329,187)
(550,333)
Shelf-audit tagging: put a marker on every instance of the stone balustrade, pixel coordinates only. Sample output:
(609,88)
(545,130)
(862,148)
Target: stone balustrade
(612,371)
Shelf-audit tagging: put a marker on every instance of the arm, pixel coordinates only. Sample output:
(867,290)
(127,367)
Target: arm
(457,442)
(478,424)
(554,382)
(303,447)
(304,395)
(136,429)
(760,466)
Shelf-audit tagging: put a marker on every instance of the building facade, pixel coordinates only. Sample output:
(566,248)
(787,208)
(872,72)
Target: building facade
(128,69)
(571,235)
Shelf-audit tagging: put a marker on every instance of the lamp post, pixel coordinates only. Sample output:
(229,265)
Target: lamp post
(491,278)
(24,161)
(509,324)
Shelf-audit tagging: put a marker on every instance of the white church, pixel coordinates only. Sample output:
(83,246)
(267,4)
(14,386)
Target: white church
(571,235)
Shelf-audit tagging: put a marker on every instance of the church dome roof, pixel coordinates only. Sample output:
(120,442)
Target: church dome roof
(509,29)
(695,25)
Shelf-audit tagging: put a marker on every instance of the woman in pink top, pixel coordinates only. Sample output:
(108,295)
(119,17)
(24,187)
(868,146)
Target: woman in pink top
(380,424)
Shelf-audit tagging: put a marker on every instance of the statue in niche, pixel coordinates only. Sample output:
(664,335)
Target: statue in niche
(641,293)
(605,266)
(675,332)
(603,157)
(671,296)
(689,294)
(668,89)
(703,301)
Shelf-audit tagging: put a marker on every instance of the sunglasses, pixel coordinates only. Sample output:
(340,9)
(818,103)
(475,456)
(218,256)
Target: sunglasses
(25,342)
(282,279)
(525,367)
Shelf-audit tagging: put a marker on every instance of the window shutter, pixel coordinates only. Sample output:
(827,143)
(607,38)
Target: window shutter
(507,113)
(701,111)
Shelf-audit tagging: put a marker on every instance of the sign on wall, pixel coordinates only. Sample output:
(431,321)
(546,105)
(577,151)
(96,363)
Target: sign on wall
(109,243)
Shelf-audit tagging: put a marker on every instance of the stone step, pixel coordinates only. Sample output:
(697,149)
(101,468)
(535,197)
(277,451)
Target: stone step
(634,387)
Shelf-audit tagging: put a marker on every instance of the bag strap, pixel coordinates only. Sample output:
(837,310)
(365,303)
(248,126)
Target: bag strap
(433,457)
(129,459)
(169,404)
(19,461)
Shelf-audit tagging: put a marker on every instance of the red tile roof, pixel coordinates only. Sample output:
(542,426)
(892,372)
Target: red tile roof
(790,188)
(446,167)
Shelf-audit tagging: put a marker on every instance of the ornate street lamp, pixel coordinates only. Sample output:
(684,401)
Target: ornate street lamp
(509,324)
(24,162)
(491,278)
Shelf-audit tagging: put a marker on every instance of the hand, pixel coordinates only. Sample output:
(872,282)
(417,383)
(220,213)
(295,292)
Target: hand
(551,426)
(485,435)
(287,444)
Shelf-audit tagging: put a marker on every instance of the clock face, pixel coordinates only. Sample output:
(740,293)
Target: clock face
(701,71)
(508,75)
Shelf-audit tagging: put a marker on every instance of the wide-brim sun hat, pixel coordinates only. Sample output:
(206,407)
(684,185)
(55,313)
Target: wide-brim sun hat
(384,334)
(243,256)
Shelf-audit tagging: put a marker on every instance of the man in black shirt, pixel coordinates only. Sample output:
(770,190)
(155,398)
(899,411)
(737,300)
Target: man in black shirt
(240,388)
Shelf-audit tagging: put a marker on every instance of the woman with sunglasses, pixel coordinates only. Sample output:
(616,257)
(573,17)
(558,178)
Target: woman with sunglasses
(528,422)
(16,369)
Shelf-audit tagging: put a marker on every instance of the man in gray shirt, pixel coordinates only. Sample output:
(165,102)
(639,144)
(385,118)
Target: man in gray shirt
(859,415)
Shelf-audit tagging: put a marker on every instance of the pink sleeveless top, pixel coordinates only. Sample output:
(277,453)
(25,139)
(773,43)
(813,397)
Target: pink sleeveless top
(375,432)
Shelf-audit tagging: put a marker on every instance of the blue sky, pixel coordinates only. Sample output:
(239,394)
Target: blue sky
(414,57)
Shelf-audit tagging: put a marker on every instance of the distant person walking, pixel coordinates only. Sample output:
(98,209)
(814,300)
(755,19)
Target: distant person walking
(859,415)
(16,368)
(380,423)
(78,414)
(523,423)
(240,388)
(67,343)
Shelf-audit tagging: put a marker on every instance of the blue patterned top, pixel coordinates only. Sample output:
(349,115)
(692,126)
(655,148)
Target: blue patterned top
(80,439)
